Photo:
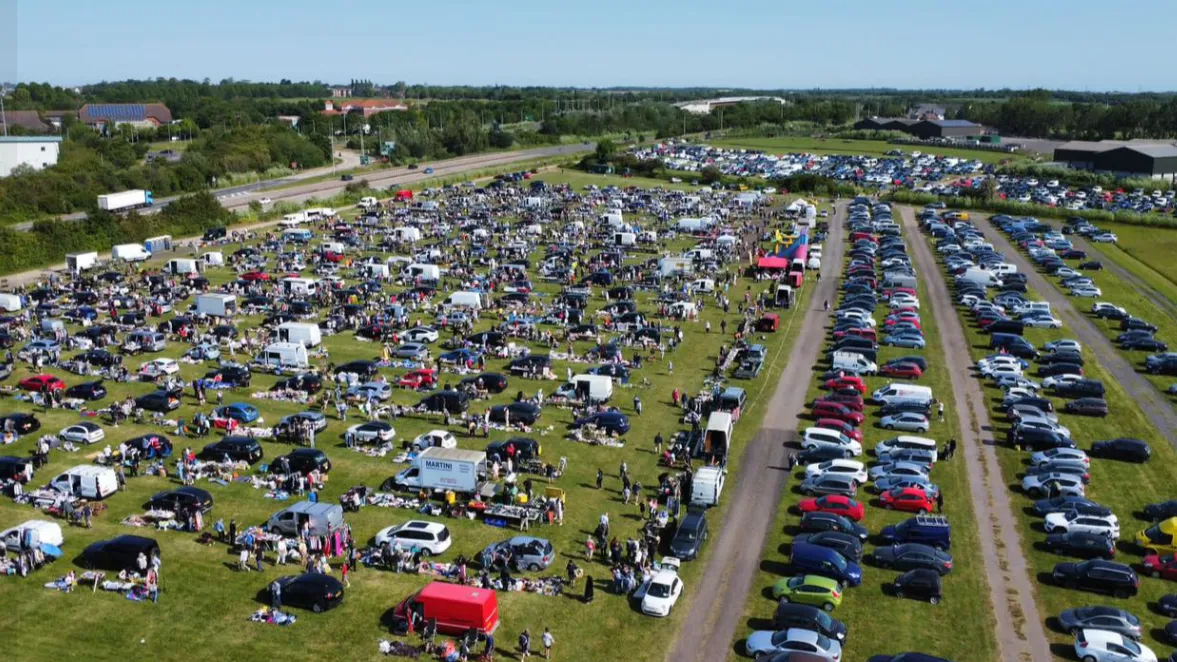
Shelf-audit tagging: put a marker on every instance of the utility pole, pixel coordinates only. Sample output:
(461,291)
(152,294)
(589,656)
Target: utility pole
(3,115)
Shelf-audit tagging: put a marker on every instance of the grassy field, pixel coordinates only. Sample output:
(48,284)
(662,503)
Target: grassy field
(1146,252)
(1123,487)
(878,148)
(877,622)
(202,594)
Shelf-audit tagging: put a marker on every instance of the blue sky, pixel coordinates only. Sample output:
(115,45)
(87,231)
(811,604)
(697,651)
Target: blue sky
(1076,44)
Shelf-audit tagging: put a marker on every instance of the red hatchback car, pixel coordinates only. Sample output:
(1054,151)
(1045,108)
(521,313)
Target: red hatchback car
(255,275)
(836,504)
(423,378)
(847,381)
(840,426)
(838,412)
(908,499)
(901,371)
(1164,567)
(42,383)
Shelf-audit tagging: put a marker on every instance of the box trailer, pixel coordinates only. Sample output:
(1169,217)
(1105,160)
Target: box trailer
(442,469)
(125,200)
(307,334)
(216,304)
(79,262)
(182,266)
(213,259)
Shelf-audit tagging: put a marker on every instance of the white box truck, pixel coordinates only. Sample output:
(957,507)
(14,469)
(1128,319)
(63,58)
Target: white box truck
(588,388)
(79,262)
(130,252)
(87,481)
(306,334)
(216,304)
(443,469)
(125,200)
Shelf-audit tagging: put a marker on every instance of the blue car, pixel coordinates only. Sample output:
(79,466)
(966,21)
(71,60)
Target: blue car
(808,559)
(240,412)
(613,422)
(459,356)
(429,171)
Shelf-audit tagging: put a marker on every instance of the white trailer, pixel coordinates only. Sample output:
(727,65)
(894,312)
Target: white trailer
(125,200)
(213,259)
(216,304)
(182,266)
(79,262)
(306,334)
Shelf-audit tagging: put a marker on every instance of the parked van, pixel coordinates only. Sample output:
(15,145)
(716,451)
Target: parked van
(297,235)
(308,334)
(717,438)
(425,272)
(903,393)
(707,486)
(455,608)
(907,442)
(148,341)
(471,300)
(79,262)
(87,481)
(300,286)
(853,363)
(979,276)
(10,303)
(30,535)
(130,252)
(704,285)
(283,356)
(323,519)
(588,388)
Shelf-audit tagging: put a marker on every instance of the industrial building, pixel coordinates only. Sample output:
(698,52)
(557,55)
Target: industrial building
(100,115)
(1123,158)
(369,107)
(923,129)
(35,151)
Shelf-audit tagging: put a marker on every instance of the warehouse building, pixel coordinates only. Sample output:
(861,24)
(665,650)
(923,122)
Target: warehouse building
(1131,158)
(945,129)
(36,152)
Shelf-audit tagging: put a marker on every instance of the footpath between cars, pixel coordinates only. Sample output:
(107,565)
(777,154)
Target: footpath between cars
(709,628)
(1020,633)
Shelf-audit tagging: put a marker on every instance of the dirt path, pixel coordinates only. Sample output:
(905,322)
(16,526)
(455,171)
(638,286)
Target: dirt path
(1020,633)
(755,493)
(1154,405)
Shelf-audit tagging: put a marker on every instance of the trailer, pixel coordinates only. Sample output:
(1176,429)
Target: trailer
(125,200)
(306,334)
(216,304)
(79,262)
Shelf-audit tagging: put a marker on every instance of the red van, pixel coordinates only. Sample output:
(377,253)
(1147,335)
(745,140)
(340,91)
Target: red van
(457,609)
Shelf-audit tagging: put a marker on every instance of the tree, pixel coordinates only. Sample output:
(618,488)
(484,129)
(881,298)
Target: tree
(605,150)
(711,174)
(500,139)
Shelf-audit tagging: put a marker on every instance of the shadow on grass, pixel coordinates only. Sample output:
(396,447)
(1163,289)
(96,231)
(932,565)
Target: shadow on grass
(779,568)
(1063,651)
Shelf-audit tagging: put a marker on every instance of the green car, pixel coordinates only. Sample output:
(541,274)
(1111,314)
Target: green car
(809,590)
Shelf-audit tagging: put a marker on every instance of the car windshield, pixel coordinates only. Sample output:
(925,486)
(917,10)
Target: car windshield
(659,590)
(1154,534)
(796,582)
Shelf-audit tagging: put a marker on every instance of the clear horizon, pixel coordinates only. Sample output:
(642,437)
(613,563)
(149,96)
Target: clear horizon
(751,44)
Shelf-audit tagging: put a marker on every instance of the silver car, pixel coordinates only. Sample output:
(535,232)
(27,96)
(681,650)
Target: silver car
(1053,484)
(888,483)
(1101,618)
(899,469)
(829,484)
(907,421)
(1042,457)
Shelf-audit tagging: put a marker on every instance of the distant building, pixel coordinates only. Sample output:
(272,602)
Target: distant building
(340,92)
(1150,159)
(36,151)
(925,111)
(142,115)
(923,129)
(704,106)
(369,106)
(884,124)
(29,120)
(292,120)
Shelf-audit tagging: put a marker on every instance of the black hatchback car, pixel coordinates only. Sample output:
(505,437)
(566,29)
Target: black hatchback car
(1098,576)
(689,537)
(181,499)
(921,584)
(312,590)
(365,369)
(790,615)
(121,553)
(1155,512)
(516,412)
(234,375)
(846,544)
(1124,448)
(1083,544)
(235,448)
(453,402)
(158,401)
(525,448)
(22,423)
(819,521)
(303,461)
(912,556)
(1087,407)
(89,391)
(493,382)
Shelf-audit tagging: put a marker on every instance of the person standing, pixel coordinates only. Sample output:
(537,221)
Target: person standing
(658,443)
(524,645)
(276,595)
(548,640)
(939,502)
(940,407)
(600,478)
(637,405)
(588,590)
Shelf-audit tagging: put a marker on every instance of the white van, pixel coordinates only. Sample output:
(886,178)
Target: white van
(853,363)
(79,262)
(216,304)
(472,300)
(907,442)
(283,356)
(292,220)
(903,393)
(980,276)
(130,252)
(705,285)
(1003,268)
(426,272)
(707,486)
(87,481)
(717,438)
(624,239)
(300,286)
(34,531)
(588,388)
(10,303)
(1032,307)
(306,334)
(826,438)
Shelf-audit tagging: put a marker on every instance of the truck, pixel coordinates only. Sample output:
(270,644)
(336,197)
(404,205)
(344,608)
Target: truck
(125,200)
(79,262)
(441,469)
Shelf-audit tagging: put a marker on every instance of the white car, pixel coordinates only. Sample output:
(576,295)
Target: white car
(1055,381)
(1105,238)
(765,644)
(421,334)
(377,431)
(1086,291)
(1105,308)
(1053,484)
(431,538)
(663,590)
(435,438)
(1064,345)
(1107,646)
(83,433)
(1075,521)
(1042,322)
(852,468)
(264,201)
(373,390)
(157,367)
(1002,364)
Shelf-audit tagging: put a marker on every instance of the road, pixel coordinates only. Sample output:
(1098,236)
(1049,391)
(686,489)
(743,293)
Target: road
(287,189)
(1020,633)
(755,493)
(1160,414)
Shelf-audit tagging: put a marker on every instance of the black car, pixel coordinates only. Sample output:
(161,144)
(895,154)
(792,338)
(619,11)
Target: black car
(493,382)
(22,423)
(1145,345)
(524,448)
(120,553)
(1083,544)
(453,402)
(530,364)
(689,537)
(306,382)
(613,422)
(1037,439)
(516,412)
(1156,512)
(901,406)
(907,657)
(232,375)
(487,339)
(1098,576)
(1087,407)
(614,370)
(1062,504)
(87,391)
(181,499)
(819,521)
(846,544)
(312,590)
(365,369)
(16,468)
(1044,404)
(212,234)
(921,584)
(791,615)
(235,448)
(302,460)
(99,357)
(1124,448)
(1167,605)
(159,401)
(911,556)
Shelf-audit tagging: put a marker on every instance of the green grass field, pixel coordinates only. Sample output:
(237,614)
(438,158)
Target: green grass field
(1146,252)
(878,148)
(1123,487)
(877,622)
(205,602)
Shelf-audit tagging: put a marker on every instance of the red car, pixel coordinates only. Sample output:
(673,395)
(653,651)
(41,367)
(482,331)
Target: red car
(42,383)
(852,399)
(837,411)
(332,256)
(906,310)
(899,290)
(834,503)
(1161,566)
(901,371)
(861,332)
(423,378)
(847,381)
(840,426)
(255,275)
(909,499)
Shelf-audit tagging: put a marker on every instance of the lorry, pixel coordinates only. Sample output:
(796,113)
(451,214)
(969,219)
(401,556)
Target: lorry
(130,252)
(441,469)
(125,200)
(79,262)
(588,388)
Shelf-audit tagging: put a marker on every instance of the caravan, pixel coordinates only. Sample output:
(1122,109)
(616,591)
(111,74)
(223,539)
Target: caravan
(283,356)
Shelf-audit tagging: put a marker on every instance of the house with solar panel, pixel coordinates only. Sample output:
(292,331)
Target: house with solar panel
(103,115)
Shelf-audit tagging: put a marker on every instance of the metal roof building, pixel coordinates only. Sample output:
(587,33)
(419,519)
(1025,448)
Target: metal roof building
(945,129)
(1131,158)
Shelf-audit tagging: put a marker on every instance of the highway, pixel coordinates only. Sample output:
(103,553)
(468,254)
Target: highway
(287,189)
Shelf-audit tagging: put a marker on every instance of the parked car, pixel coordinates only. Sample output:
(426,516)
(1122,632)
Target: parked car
(1095,645)
(181,499)
(1111,619)
(1098,576)
(1123,448)
(519,553)
(812,590)
(1083,544)
(429,538)
(311,590)
(921,584)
